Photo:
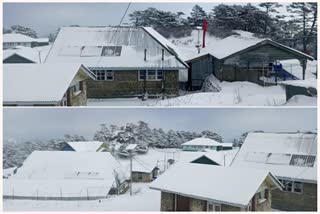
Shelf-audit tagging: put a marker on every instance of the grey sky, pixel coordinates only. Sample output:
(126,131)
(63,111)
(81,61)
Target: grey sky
(43,123)
(46,18)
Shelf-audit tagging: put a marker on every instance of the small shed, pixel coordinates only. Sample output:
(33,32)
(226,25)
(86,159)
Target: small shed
(202,187)
(306,87)
(45,84)
(144,173)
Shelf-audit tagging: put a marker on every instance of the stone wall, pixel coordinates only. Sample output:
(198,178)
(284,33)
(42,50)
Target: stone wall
(198,205)
(288,201)
(141,177)
(167,201)
(228,208)
(126,84)
(78,99)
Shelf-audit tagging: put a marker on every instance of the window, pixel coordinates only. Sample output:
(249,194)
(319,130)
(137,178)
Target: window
(151,75)
(292,186)
(111,51)
(212,207)
(303,160)
(142,75)
(261,196)
(104,74)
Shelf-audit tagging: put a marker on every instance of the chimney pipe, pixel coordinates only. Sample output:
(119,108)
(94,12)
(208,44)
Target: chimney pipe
(205,25)
(145,54)
(162,54)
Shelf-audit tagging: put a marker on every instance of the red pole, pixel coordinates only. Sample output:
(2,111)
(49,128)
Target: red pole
(205,25)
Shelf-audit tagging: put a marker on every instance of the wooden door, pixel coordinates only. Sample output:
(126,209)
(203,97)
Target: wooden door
(182,203)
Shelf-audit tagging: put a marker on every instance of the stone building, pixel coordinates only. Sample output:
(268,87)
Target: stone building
(127,61)
(204,187)
(292,158)
(45,84)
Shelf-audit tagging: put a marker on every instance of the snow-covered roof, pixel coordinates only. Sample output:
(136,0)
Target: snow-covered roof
(141,166)
(39,83)
(16,37)
(36,54)
(202,141)
(286,155)
(85,146)
(223,48)
(41,40)
(131,146)
(233,186)
(223,158)
(54,165)
(85,45)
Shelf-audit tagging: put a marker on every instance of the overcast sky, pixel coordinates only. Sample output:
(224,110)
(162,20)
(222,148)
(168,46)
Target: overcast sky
(46,18)
(42,123)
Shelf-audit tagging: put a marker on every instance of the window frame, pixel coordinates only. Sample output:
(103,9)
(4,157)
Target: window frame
(214,206)
(289,186)
(105,76)
(156,75)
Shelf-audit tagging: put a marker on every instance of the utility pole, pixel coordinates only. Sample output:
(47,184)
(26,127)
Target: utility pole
(131,172)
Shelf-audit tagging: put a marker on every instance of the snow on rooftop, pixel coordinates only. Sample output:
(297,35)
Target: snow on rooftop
(71,43)
(49,172)
(193,180)
(221,48)
(202,141)
(37,82)
(131,146)
(223,158)
(275,152)
(85,146)
(16,37)
(36,54)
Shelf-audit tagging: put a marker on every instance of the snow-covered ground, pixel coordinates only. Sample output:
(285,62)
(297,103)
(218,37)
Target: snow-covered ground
(232,93)
(143,199)
(302,100)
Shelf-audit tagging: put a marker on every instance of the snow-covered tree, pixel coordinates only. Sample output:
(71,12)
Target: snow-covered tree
(197,16)
(24,30)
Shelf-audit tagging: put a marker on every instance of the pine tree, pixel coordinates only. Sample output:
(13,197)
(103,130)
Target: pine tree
(23,30)
(197,16)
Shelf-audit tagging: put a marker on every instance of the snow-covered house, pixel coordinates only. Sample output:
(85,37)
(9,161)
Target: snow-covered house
(21,54)
(12,40)
(291,157)
(127,61)
(203,143)
(143,172)
(203,187)
(45,84)
(85,146)
(58,175)
(241,57)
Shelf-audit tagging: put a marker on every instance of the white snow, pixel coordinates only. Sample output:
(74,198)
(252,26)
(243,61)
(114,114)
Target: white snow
(202,141)
(36,54)
(302,100)
(39,83)
(64,174)
(232,94)
(262,150)
(307,83)
(16,37)
(85,146)
(294,67)
(143,199)
(8,172)
(193,180)
(81,44)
